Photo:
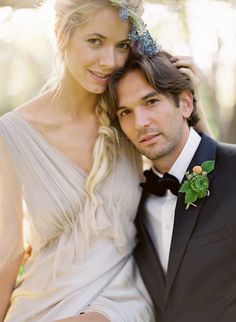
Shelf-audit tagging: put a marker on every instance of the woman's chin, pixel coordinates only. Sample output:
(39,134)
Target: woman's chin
(97,89)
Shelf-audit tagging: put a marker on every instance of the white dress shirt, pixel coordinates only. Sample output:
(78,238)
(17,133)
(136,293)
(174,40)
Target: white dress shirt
(161,210)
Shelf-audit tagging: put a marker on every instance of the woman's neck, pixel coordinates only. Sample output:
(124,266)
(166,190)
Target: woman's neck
(73,100)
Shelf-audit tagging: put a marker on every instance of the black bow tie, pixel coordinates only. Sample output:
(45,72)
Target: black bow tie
(159,186)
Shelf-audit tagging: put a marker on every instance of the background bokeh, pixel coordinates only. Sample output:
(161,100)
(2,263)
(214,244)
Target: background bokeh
(204,29)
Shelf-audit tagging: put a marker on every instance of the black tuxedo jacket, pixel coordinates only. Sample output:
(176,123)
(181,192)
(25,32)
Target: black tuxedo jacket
(200,285)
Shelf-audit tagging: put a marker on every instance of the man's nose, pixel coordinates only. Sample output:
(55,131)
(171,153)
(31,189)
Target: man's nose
(141,118)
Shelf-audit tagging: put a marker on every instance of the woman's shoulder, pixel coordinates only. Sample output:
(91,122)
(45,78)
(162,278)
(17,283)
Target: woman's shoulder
(31,111)
(11,122)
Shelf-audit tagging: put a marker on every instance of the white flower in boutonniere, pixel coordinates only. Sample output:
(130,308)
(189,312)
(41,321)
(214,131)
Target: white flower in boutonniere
(197,184)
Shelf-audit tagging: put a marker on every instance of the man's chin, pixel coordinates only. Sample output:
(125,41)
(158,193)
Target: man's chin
(151,155)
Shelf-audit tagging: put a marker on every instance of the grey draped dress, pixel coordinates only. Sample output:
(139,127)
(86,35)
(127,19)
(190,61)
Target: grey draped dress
(81,258)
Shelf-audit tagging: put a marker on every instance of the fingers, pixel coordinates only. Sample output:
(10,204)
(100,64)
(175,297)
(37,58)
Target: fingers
(188,67)
(188,72)
(187,61)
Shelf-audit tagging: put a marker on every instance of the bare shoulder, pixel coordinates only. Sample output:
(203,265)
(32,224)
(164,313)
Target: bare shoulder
(31,111)
(34,110)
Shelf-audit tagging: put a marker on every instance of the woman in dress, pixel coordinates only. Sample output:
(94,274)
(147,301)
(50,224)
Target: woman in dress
(62,171)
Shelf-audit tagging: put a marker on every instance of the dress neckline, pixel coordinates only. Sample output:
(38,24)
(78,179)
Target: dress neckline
(54,149)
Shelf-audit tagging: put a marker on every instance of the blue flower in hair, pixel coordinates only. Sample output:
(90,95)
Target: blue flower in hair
(124,13)
(143,43)
(141,40)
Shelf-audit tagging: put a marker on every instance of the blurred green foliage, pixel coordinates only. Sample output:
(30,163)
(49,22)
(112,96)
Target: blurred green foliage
(204,29)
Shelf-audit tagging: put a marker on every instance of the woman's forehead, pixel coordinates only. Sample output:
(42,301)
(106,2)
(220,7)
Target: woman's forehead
(108,23)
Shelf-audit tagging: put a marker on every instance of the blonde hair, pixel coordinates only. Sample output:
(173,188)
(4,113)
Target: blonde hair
(69,15)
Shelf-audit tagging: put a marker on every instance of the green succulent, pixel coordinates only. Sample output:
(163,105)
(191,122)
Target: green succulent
(196,186)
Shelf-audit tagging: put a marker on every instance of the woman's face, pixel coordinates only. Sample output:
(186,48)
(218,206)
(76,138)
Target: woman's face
(96,49)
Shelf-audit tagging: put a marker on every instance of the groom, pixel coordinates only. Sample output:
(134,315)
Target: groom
(186,249)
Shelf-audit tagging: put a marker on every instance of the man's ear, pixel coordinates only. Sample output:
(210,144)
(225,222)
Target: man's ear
(186,103)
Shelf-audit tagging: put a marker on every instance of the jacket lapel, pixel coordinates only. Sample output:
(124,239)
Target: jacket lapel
(148,260)
(185,220)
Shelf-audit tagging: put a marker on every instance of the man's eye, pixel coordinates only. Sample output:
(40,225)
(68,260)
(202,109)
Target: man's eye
(95,41)
(152,101)
(123,113)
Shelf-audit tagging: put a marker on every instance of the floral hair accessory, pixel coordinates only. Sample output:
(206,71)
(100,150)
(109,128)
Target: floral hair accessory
(141,40)
(197,183)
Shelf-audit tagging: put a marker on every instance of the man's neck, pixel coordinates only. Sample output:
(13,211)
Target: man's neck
(181,164)
(164,164)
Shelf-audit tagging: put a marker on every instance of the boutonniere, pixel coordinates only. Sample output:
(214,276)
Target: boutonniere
(196,185)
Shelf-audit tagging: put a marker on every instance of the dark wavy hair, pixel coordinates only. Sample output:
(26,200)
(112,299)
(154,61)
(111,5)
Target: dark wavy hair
(160,73)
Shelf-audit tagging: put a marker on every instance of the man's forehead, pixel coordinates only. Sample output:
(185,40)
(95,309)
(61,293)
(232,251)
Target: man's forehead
(133,86)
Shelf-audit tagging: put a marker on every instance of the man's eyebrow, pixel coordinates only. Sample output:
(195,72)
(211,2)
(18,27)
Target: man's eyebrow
(104,37)
(120,108)
(144,98)
(151,94)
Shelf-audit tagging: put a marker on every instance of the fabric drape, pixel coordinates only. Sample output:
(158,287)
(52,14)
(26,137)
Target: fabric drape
(78,247)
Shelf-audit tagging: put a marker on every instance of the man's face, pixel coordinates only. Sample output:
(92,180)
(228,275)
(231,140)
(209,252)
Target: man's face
(152,121)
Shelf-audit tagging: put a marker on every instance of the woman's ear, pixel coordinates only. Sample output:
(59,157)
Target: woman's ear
(186,103)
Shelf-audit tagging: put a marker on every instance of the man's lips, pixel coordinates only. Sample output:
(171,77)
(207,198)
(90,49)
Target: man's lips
(148,139)
(102,78)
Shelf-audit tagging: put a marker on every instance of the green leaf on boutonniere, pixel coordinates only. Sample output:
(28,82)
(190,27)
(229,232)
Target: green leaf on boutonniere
(190,196)
(185,186)
(208,166)
(197,184)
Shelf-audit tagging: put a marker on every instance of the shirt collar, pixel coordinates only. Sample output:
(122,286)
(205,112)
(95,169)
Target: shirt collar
(181,164)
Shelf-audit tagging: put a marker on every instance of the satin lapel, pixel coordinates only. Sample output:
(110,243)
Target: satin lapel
(148,260)
(185,220)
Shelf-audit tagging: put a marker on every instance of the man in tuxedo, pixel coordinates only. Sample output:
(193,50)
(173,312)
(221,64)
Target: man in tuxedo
(187,257)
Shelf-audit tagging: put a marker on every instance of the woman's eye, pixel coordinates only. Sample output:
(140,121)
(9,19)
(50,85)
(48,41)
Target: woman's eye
(95,41)
(124,46)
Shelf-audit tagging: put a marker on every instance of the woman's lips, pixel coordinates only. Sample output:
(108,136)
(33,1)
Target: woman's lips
(99,77)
